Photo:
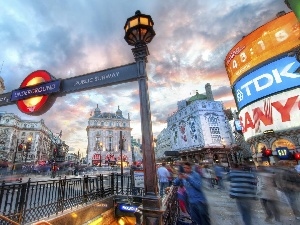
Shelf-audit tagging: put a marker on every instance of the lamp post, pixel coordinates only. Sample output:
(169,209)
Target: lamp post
(138,33)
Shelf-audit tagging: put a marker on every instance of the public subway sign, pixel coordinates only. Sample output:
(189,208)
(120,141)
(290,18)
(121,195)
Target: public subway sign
(128,208)
(278,112)
(274,77)
(39,90)
(33,96)
(36,90)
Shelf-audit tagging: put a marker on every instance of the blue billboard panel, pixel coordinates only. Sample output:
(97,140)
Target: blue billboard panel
(267,80)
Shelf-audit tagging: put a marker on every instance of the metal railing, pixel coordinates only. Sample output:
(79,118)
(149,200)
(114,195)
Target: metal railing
(24,203)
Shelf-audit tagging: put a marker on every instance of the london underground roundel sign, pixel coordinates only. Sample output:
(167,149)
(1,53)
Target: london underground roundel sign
(33,96)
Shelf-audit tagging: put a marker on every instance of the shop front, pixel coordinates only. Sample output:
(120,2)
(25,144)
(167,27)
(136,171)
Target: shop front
(270,149)
(96,160)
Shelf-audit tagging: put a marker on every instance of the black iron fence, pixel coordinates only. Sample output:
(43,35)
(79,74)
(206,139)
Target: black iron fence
(24,203)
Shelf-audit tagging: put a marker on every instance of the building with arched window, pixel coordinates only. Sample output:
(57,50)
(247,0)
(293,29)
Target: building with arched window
(103,133)
(29,141)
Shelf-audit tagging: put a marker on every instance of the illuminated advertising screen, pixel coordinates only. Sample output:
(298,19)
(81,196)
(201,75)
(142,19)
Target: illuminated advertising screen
(238,126)
(278,112)
(274,38)
(267,80)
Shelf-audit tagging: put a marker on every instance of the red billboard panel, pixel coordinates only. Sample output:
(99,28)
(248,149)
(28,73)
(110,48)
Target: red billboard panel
(278,112)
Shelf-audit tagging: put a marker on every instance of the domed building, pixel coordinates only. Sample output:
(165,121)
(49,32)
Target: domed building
(103,133)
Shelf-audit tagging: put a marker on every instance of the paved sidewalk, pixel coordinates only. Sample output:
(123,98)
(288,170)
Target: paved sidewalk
(223,210)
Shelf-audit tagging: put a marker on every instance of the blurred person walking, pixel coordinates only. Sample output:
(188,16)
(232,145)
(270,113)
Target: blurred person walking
(288,181)
(163,177)
(266,191)
(197,201)
(243,188)
(54,170)
(219,170)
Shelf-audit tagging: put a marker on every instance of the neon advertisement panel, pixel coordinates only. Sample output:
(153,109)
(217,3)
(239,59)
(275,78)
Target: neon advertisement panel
(274,38)
(277,76)
(278,112)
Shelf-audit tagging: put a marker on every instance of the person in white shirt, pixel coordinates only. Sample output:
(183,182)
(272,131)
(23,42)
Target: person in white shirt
(163,177)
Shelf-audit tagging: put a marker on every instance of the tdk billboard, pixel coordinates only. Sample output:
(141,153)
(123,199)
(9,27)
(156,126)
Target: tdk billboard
(267,80)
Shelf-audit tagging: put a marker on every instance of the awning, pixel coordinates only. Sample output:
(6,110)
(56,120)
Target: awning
(172,153)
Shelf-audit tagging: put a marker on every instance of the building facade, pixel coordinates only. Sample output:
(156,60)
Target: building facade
(103,133)
(29,141)
(136,150)
(199,130)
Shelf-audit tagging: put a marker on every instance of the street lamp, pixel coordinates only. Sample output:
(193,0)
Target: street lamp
(138,33)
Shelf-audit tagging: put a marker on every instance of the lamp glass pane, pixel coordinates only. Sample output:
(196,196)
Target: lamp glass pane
(134,22)
(143,32)
(144,20)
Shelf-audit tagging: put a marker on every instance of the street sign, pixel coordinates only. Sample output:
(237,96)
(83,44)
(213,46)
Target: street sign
(102,78)
(40,85)
(283,152)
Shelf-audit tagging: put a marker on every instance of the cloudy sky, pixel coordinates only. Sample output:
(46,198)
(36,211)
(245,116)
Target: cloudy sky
(73,37)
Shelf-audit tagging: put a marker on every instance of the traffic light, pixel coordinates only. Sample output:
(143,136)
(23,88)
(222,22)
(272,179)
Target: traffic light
(20,147)
(268,152)
(28,146)
(297,156)
(55,152)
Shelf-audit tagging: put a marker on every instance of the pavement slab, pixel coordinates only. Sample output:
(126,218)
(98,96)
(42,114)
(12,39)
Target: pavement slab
(223,210)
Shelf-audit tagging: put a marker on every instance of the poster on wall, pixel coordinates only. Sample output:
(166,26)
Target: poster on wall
(277,112)
(138,176)
(214,129)
(186,133)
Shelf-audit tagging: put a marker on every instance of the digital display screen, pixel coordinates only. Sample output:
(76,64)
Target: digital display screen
(274,77)
(277,112)
(238,125)
(274,38)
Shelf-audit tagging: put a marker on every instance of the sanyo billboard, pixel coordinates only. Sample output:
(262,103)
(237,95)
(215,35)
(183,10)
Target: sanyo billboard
(278,112)
(274,77)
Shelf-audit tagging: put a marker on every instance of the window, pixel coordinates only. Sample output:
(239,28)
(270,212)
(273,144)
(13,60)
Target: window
(110,143)
(124,124)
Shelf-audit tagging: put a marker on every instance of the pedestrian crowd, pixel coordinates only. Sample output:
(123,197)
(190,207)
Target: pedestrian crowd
(270,185)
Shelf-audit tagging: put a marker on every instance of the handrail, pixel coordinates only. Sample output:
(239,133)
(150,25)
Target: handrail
(10,222)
